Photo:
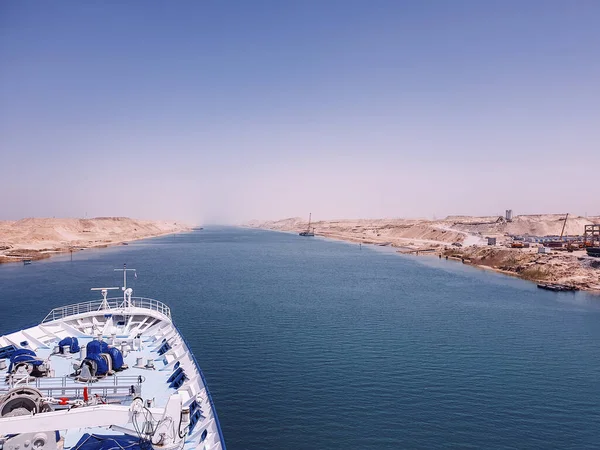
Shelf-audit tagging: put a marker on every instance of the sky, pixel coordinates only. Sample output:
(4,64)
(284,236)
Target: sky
(226,111)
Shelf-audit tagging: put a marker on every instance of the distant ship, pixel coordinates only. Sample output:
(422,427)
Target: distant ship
(557,287)
(112,373)
(308,231)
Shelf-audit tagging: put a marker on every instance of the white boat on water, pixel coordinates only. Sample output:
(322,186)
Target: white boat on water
(109,374)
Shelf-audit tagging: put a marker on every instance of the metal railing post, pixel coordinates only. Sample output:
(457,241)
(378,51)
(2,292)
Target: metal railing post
(114,303)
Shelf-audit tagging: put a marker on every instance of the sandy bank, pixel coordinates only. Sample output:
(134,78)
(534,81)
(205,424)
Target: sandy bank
(465,238)
(38,238)
(572,269)
(396,232)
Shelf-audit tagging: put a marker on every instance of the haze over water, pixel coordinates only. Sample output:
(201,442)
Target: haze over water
(309,343)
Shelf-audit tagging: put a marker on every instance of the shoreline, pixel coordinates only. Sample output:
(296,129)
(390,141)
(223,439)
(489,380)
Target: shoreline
(594,291)
(468,262)
(40,238)
(35,255)
(569,269)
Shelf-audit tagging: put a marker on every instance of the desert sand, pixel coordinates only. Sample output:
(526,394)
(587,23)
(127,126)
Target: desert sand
(465,238)
(37,238)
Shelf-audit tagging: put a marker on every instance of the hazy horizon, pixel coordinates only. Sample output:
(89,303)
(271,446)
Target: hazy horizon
(314,219)
(225,112)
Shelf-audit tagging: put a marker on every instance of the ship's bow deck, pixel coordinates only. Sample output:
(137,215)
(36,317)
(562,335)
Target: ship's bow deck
(159,365)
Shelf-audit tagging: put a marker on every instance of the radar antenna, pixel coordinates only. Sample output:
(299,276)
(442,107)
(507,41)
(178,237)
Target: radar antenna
(104,292)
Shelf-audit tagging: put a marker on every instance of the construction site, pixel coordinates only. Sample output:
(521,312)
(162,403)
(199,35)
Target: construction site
(566,261)
(588,239)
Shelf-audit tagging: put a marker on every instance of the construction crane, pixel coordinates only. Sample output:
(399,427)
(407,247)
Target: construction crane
(569,246)
(563,228)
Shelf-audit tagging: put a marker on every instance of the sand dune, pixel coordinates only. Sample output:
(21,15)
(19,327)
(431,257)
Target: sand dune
(533,225)
(377,231)
(452,229)
(39,237)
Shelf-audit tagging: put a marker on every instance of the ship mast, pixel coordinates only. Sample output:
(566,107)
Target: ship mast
(126,292)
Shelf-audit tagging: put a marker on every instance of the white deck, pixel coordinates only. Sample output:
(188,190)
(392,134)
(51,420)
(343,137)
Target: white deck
(150,319)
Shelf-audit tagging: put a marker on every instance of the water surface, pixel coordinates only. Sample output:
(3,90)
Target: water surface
(308,343)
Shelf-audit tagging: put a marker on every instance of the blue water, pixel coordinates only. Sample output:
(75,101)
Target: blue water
(308,343)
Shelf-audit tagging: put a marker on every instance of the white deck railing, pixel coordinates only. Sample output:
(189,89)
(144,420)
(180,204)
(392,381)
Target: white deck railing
(61,386)
(108,306)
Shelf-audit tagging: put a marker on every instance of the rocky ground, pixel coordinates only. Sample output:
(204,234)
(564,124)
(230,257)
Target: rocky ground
(573,269)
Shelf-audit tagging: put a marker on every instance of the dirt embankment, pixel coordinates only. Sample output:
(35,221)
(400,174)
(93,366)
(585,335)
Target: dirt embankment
(532,225)
(464,237)
(38,238)
(574,269)
(467,230)
(412,233)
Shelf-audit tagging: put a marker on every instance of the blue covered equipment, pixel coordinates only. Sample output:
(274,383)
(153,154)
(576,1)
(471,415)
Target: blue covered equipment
(96,363)
(96,347)
(96,353)
(23,356)
(116,357)
(72,342)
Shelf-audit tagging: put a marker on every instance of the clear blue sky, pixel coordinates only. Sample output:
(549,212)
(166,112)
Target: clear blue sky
(231,110)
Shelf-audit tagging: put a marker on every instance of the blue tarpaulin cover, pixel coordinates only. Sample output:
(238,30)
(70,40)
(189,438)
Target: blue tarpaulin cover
(101,365)
(97,347)
(72,342)
(23,355)
(110,442)
(94,347)
(117,358)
